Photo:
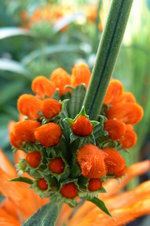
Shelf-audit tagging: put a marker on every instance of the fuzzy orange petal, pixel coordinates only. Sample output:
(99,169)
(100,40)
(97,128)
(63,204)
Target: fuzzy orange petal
(127,97)
(115,128)
(42,87)
(48,134)
(80,75)
(115,163)
(29,105)
(129,139)
(114,91)
(61,78)
(129,113)
(50,108)
(91,161)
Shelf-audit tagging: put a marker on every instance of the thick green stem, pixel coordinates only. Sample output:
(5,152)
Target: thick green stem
(106,55)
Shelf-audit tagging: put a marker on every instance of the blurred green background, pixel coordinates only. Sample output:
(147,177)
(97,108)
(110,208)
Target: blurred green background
(37,36)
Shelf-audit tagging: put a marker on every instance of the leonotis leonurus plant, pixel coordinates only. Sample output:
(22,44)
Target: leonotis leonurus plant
(68,156)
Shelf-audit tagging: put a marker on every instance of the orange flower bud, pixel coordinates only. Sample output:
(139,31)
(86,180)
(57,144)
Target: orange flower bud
(49,134)
(42,87)
(23,132)
(127,97)
(29,105)
(91,161)
(33,158)
(115,163)
(56,165)
(42,184)
(129,113)
(94,184)
(69,190)
(115,128)
(114,91)
(129,139)
(50,108)
(80,75)
(61,78)
(82,126)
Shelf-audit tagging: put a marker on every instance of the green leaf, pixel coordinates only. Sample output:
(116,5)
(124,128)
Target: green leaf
(45,216)
(100,204)
(23,179)
(13,66)
(12,31)
(49,50)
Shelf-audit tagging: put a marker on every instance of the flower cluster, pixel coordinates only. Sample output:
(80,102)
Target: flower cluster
(67,154)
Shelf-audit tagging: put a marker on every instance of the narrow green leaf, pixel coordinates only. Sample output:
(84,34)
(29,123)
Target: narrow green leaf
(13,66)
(12,31)
(23,179)
(99,203)
(49,50)
(45,216)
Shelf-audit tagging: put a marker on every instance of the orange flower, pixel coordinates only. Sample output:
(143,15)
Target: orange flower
(23,132)
(129,113)
(56,165)
(42,184)
(42,87)
(94,184)
(29,105)
(61,78)
(114,91)
(69,190)
(49,134)
(33,158)
(80,75)
(115,128)
(91,161)
(50,108)
(129,139)
(82,126)
(115,163)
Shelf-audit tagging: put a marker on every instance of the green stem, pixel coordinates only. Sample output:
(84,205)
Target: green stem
(106,55)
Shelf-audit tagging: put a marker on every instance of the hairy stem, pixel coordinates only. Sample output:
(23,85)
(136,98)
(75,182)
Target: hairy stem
(106,55)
